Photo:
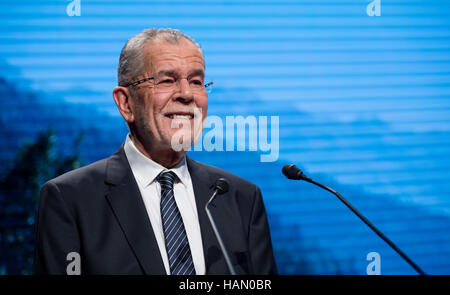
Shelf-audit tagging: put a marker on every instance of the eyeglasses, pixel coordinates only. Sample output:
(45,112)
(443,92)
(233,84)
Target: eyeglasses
(170,84)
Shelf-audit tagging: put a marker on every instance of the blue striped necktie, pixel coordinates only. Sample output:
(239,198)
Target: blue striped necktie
(177,244)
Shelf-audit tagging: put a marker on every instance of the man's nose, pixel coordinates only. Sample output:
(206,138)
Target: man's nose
(185,92)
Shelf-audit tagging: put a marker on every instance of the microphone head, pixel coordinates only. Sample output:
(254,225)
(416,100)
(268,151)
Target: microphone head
(292,172)
(221,185)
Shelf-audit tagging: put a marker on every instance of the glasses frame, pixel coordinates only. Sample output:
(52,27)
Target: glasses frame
(207,86)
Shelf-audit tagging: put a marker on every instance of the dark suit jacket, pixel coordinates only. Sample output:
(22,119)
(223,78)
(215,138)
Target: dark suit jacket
(98,212)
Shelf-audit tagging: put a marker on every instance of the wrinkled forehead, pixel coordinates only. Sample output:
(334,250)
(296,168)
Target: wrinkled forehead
(181,56)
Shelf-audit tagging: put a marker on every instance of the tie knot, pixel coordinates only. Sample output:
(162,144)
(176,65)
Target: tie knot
(167,180)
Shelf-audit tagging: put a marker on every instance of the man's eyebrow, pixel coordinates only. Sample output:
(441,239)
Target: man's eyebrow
(172,73)
(166,73)
(198,72)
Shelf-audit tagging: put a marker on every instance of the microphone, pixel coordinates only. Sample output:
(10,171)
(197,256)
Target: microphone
(220,187)
(293,172)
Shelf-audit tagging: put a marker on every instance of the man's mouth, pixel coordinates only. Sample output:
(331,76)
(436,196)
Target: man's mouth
(180,116)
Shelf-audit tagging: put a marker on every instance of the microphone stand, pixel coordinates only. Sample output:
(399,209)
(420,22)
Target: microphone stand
(219,238)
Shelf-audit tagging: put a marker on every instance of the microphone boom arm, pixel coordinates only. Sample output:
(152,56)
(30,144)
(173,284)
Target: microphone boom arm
(293,172)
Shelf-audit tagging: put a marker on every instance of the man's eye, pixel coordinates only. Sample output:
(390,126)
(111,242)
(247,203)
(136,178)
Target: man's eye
(166,81)
(196,82)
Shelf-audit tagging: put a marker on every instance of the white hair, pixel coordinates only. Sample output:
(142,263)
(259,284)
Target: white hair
(131,61)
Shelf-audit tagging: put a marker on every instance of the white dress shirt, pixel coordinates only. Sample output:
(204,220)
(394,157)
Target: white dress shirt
(145,172)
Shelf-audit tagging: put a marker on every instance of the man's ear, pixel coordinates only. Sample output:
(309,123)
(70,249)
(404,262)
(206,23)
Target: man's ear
(124,102)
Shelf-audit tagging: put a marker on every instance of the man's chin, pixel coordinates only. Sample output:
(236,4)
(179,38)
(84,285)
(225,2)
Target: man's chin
(182,141)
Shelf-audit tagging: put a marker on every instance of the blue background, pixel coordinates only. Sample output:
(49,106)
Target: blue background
(363,104)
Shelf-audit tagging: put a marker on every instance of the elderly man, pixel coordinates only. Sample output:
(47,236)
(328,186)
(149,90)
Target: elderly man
(141,211)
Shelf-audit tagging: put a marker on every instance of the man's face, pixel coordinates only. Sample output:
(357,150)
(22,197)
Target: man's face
(161,111)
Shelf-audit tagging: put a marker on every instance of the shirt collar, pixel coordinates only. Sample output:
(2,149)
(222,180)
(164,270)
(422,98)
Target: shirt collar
(146,170)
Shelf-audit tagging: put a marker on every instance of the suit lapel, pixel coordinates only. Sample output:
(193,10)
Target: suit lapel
(129,208)
(203,189)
